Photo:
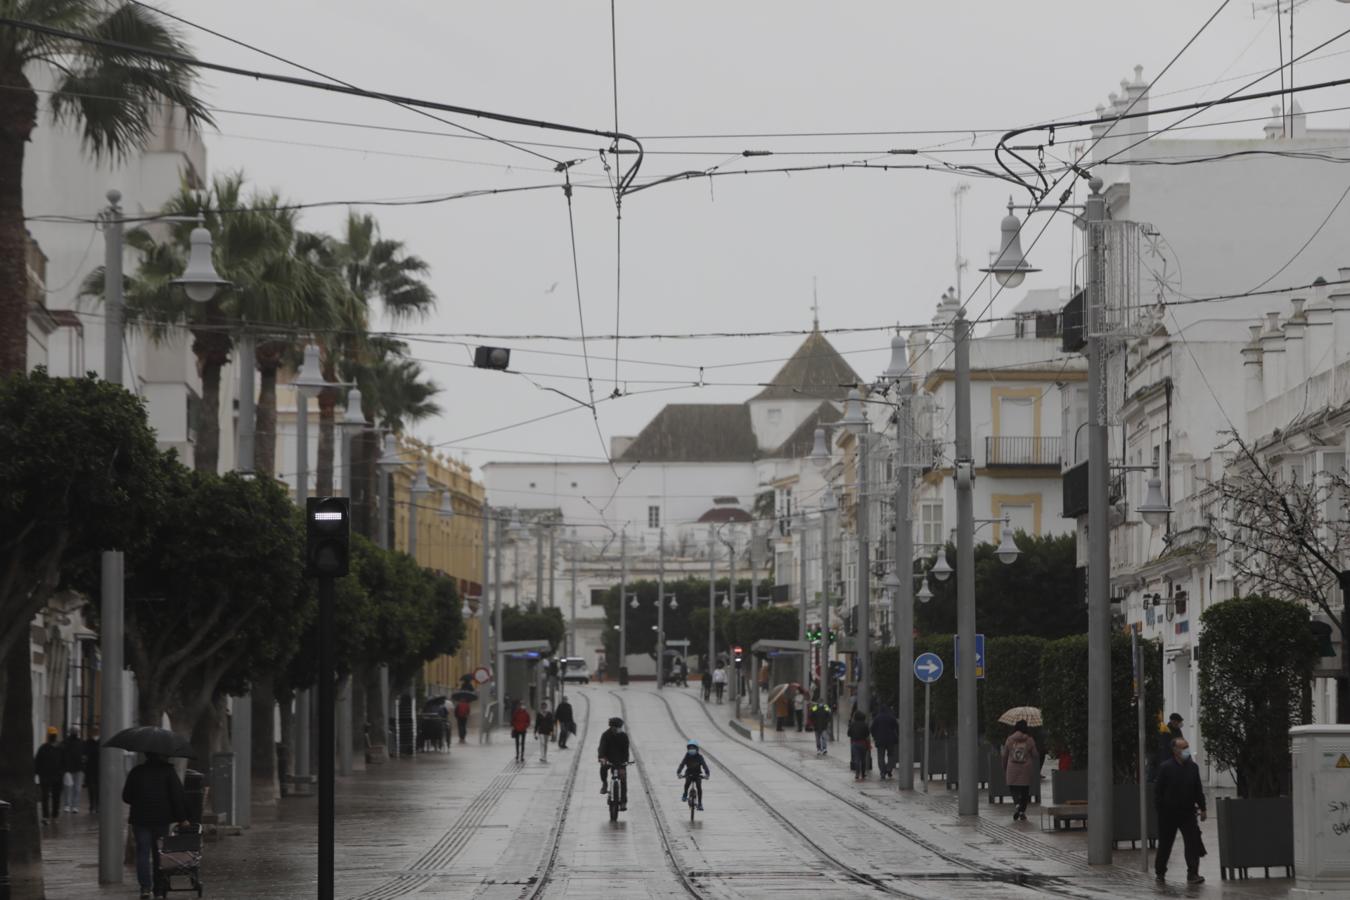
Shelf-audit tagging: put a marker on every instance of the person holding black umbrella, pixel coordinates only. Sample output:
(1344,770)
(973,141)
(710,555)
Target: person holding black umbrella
(157,800)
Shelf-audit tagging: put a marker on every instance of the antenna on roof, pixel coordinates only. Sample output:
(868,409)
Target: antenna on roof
(815,306)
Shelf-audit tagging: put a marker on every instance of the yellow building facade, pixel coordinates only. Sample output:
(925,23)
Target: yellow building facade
(452,546)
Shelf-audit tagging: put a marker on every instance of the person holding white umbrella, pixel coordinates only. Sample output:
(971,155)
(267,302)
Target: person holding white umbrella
(1021,763)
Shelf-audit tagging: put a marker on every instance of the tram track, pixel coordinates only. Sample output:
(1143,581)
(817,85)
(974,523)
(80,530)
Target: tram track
(545,874)
(976,871)
(849,872)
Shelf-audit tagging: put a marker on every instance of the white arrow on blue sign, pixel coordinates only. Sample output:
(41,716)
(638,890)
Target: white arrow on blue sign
(928,667)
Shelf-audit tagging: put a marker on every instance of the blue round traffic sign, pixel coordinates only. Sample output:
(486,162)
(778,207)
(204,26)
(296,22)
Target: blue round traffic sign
(928,667)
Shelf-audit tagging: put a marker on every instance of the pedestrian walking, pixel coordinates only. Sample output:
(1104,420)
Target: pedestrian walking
(520,726)
(543,729)
(567,725)
(462,718)
(886,735)
(858,737)
(72,780)
(720,681)
(49,764)
(600,671)
(1179,798)
(91,768)
(820,724)
(1167,735)
(706,679)
(1021,763)
(157,801)
(799,709)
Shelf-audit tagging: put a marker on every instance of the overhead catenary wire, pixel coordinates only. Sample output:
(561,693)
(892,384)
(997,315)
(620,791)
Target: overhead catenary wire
(337,88)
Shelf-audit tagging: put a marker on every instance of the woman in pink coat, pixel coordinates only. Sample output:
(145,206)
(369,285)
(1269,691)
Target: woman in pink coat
(1021,763)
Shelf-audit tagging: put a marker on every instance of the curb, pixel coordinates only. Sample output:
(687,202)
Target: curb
(740,729)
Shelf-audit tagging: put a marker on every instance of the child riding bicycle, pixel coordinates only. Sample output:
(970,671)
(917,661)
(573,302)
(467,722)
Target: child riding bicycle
(694,768)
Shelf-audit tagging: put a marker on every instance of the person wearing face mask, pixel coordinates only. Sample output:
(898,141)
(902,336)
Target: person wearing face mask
(1180,798)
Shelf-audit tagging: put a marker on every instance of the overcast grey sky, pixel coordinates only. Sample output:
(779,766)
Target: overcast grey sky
(736,253)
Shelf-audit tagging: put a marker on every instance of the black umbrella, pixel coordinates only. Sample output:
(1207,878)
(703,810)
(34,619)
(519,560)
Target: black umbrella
(433,703)
(146,739)
(467,696)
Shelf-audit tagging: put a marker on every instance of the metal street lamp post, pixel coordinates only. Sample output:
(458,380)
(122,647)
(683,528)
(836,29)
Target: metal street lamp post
(200,282)
(855,420)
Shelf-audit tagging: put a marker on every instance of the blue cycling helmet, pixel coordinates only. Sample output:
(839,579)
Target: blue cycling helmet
(692,743)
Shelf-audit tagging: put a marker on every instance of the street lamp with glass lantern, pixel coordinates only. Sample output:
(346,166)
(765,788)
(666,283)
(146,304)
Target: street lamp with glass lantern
(1010,267)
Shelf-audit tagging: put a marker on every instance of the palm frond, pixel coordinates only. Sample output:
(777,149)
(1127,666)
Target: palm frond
(119,97)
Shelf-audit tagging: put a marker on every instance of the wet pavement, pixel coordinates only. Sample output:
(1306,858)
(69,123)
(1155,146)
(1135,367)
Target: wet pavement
(778,819)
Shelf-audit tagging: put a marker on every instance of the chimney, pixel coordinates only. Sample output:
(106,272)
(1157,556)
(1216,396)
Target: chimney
(1340,310)
(1272,357)
(1317,337)
(1251,369)
(1295,348)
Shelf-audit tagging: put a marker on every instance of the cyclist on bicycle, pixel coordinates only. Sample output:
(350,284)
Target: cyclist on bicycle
(613,751)
(694,768)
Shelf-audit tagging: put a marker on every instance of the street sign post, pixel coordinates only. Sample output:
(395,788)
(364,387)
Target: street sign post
(979,654)
(928,669)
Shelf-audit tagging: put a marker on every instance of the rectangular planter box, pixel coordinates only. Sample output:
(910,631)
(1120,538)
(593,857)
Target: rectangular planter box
(1066,786)
(1125,815)
(1255,834)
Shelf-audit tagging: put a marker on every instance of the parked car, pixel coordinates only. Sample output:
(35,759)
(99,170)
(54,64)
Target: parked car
(574,668)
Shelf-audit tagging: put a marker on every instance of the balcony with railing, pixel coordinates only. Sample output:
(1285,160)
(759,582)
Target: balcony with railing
(1023,452)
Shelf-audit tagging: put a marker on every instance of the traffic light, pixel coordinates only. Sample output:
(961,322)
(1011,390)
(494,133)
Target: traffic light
(491,358)
(327,536)
(736,653)
(832,635)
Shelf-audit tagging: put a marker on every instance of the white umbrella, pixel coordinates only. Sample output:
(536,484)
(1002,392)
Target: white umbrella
(1030,714)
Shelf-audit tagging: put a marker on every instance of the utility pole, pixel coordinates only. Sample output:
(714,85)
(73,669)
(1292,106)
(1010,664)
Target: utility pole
(1099,545)
(660,608)
(484,627)
(967,719)
(499,664)
(712,601)
(801,598)
(863,637)
(572,631)
(734,678)
(754,569)
(552,568)
(823,676)
(301,722)
(903,614)
(539,566)
(515,569)
(623,607)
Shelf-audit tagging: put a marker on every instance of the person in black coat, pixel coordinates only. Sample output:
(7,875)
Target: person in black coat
(157,801)
(886,735)
(859,739)
(91,769)
(1179,798)
(49,764)
(567,725)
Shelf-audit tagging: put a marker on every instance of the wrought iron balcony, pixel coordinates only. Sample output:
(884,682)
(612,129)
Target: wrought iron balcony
(1023,451)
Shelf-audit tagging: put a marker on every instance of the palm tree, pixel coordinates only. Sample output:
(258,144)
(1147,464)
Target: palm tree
(116,97)
(252,242)
(375,268)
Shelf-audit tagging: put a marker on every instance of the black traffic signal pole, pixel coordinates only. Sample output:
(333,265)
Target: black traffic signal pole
(327,537)
(327,704)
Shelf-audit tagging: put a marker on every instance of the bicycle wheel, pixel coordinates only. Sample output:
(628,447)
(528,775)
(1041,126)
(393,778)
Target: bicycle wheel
(613,810)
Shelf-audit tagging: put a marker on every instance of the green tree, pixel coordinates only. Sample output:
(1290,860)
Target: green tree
(1256,665)
(116,98)
(79,473)
(687,620)
(534,624)
(747,626)
(1033,596)
(1064,703)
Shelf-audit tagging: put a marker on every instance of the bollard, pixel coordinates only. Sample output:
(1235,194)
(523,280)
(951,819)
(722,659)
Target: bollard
(4,850)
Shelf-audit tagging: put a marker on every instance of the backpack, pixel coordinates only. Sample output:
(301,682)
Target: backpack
(1019,753)
(462,710)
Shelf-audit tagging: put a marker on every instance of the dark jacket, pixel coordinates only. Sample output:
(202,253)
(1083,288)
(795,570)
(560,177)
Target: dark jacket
(1164,750)
(543,723)
(885,728)
(72,754)
(695,763)
(49,763)
(819,714)
(1177,789)
(614,747)
(90,760)
(858,731)
(564,715)
(155,794)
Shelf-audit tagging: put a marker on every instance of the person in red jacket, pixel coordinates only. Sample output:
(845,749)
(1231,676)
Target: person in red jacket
(520,726)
